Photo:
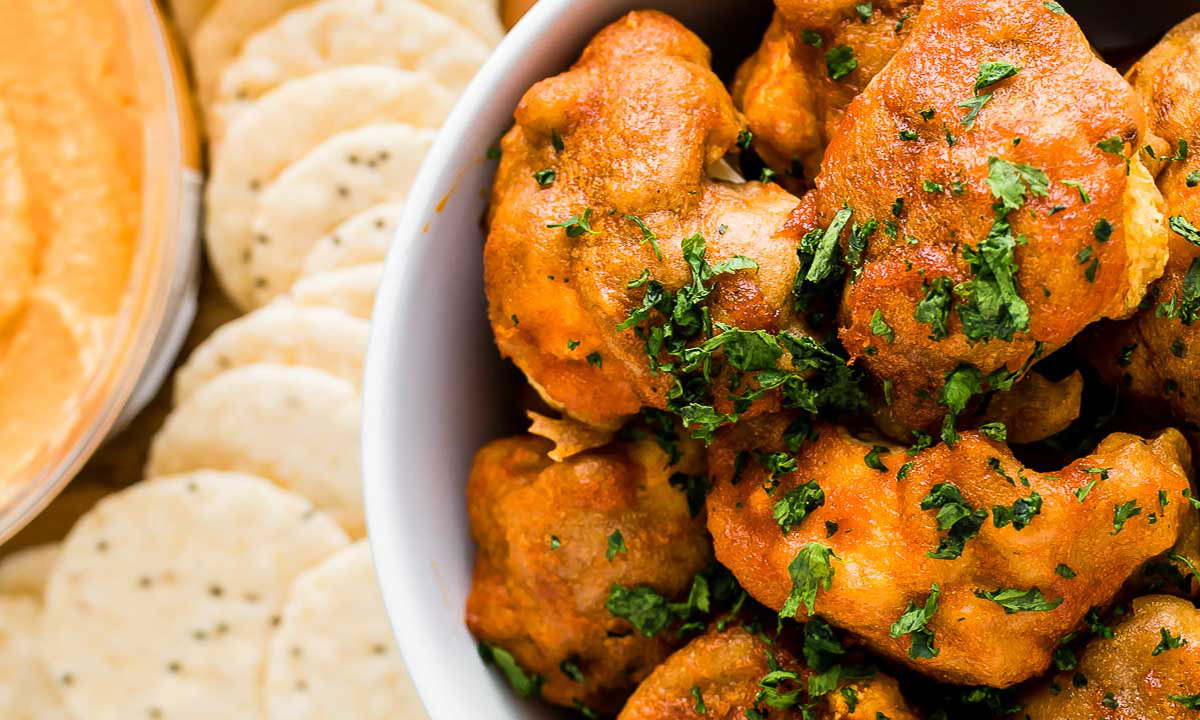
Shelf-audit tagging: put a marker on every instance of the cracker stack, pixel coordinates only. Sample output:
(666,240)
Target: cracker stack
(234,581)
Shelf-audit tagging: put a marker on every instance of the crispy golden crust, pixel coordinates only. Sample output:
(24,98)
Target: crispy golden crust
(868,166)
(1157,359)
(547,606)
(725,668)
(883,536)
(642,118)
(791,103)
(1125,678)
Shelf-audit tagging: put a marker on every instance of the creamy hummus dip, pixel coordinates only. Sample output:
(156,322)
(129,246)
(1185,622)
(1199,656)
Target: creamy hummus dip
(70,207)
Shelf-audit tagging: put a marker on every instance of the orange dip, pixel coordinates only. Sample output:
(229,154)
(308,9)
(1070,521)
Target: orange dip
(70,207)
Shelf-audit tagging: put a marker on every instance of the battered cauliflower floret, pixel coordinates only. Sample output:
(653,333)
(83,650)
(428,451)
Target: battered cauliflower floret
(1155,356)
(815,58)
(1149,669)
(604,195)
(957,561)
(728,672)
(991,170)
(556,539)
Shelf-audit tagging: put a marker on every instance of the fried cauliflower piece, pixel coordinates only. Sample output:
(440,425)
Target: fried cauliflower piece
(1155,356)
(615,154)
(979,246)
(543,574)
(1148,669)
(958,562)
(722,672)
(815,58)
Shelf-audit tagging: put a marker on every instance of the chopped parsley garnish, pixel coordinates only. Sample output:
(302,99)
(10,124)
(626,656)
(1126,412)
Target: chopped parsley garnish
(962,383)
(641,607)
(934,309)
(524,684)
(1122,514)
(545,178)
(1184,229)
(1054,7)
(767,175)
(1185,305)
(856,249)
(616,545)
(898,207)
(746,137)
(1083,195)
(595,359)
(648,235)
(879,326)
(1116,146)
(1103,230)
(1191,702)
(555,543)
(810,571)
(864,10)
(576,225)
(840,62)
(955,516)
(572,344)
(930,186)
(797,504)
(698,706)
(1020,514)
(1168,642)
(1015,601)
(1193,178)
(873,461)
(974,106)
(905,469)
(995,431)
(927,114)
(915,623)
(571,670)
(811,38)
(1064,572)
(991,73)
(556,141)
(908,135)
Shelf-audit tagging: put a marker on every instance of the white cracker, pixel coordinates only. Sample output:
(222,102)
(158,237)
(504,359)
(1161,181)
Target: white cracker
(336,33)
(362,240)
(282,128)
(339,179)
(164,597)
(28,691)
(220,37)
(279,334)
(351,290)
(295,426)
(24,572)
(334,655)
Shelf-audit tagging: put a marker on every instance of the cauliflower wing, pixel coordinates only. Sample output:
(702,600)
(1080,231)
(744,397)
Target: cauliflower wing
(1149,669)
(957,561)
(553,541)
(605,180)
(990,170)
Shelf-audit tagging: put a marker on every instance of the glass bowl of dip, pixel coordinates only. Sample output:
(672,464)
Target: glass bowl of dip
(99,217)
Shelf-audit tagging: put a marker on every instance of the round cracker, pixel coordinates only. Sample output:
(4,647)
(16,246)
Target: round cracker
(163,600)
(228,25)
(351,290)
(283,127)
(339,179)
(279,334)
(24,572)
(334,654)
(336,33)
(28,690)
(295,426)
(362,240)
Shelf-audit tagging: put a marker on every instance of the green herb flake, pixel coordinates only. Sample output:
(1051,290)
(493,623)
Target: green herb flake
(524,684)
(995,431)
(796,505)
(974,106)
(915,623)
(930,186)
(1193,178)
(1116,146)
(1168,642)
(546,177)
(576,225)
(934,308)
(595,359)
(1054,7)
(840,62)
(1014,601)
(698,705)
(879,326)
(556,141)
(1184,229)
(1191,702)
(1020,514)
(1064,572)
(864,10)
(746,137)
(1083,194)
(616,545)
(955,516)
(810,571)
(909,135)
(811,38)
(641,607)
(1123,513)
(572,344)
(873,460)
(991,73)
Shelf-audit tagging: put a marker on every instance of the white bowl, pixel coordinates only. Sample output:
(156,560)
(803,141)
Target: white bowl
(436,389)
